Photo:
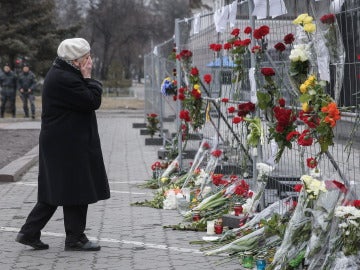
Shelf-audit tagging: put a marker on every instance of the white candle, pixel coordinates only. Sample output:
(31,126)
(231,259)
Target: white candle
(210,227)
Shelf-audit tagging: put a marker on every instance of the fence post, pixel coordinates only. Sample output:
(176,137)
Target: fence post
(178,102)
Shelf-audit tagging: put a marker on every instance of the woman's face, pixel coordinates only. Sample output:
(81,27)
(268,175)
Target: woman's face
(81,61)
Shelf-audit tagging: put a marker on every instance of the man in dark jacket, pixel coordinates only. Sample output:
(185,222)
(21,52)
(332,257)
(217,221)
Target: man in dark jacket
(71,166)
(26,86)
(8,91)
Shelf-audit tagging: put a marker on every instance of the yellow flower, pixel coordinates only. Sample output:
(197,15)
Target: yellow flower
(300,19)
(307,19)
(196,86)
(305,107)
(303,88)
(308,83)
(312,78)
(310,27)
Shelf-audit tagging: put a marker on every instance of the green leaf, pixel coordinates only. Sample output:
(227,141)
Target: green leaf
(263,99)
(304,98)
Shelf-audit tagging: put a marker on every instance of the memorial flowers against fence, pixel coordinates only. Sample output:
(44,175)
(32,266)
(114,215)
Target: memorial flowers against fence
(302,56)
(237,49)
(190,94)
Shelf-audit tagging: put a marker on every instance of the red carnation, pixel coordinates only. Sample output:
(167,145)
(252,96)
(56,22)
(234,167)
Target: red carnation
(216,153)
(289,38)
(245,108)
(328,18)
(256,49)
(235,32)
(184,54)
(231,109)
(215,47)
(291,135)
(280,46)
(152,115)
(281,102)
(237,120)
(266,71)
(264,30)
(206,145)
(227,46)
(257,34)
(298,187)
(207,78)
(311,162)
(185,115)
(305,138)
(247,30)
(181,96)
(356,203)
(194,71)
(225,100)
(196,94)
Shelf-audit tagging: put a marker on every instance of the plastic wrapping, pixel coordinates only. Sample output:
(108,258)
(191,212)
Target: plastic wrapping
(335,46)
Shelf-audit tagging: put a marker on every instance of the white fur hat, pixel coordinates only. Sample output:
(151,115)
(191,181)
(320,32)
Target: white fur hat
(73,48)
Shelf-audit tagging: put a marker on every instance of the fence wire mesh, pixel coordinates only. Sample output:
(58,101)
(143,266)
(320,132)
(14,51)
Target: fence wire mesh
(342,161)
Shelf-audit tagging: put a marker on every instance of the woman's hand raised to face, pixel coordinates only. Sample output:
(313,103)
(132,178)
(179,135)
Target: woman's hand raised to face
(86,66)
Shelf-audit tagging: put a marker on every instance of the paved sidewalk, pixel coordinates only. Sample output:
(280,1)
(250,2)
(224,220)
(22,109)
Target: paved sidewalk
(132,237)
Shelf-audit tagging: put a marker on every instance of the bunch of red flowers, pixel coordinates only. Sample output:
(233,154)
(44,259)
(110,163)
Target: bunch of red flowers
(328,18)
(245,108)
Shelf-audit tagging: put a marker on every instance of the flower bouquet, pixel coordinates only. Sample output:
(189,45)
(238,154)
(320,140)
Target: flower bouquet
(153,123)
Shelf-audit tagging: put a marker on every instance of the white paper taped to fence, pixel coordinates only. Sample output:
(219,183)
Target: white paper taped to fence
(260,7)
(336,5)
(197,23)
(221,18)
(252,80)
(276,8)
(232,13)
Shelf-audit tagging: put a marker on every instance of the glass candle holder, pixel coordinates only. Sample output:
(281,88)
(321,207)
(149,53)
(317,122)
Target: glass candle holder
(238,209)
(248,260)
(260,263)
(218,228)
(196,216)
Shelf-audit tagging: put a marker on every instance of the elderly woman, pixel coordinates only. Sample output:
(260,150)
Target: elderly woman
(71,167)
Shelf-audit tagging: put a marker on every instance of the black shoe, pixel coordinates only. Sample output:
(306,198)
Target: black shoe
(33,116)
(80,246)
(35,244)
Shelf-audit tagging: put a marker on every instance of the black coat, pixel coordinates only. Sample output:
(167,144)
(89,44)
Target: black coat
(71,166)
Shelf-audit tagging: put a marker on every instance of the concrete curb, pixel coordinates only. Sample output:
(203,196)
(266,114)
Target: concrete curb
(13,171)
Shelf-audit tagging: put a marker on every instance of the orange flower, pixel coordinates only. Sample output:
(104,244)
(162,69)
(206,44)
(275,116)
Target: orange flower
(333,113)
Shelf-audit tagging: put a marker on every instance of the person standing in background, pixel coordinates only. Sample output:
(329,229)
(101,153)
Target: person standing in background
(26,86)
(8,82)
(71,166)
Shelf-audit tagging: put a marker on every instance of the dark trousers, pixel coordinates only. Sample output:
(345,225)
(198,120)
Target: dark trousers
(7,98)
(25,97)
(74,221)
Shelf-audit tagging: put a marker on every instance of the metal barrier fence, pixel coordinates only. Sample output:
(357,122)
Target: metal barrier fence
(342,161)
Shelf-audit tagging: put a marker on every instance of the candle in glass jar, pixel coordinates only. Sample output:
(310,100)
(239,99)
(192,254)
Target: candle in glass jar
(238,209)
(248,260)
(210,229)
(260,263)
(218,228)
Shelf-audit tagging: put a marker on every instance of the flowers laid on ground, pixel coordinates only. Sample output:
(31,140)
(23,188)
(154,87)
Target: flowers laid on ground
(152,123)
(349,217)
